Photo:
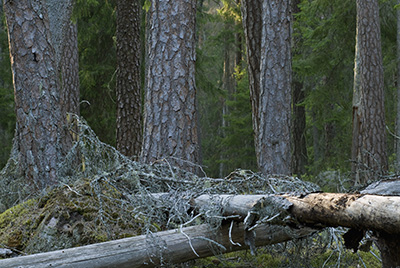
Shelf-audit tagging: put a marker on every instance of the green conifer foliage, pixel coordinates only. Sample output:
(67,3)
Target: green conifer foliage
(227,139)
(97,63)
(7,115)
(239,134)
(326,65)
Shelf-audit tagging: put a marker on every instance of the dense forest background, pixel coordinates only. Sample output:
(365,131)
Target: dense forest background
(323,62)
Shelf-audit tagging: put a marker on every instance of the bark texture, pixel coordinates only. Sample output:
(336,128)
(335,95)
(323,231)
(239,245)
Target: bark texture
(59,13)
(252,25)
(369,136)
(38,111)
(129,96)
(70,71)
(37,32)
(274,137)
(70,85)
(170,127)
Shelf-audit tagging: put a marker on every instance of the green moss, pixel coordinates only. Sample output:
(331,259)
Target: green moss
(10,215)
(242,259)
(64,218)
(347,259)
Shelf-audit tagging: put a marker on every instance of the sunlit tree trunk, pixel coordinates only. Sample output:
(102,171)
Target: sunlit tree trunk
(369,137)
(129,123)
(274,137)
(36,38)
(170,126)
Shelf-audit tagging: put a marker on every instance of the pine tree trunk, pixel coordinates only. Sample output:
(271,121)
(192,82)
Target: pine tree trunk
(70,72)
(274,137)
(170,127)
(369,136)
(129,123)
(252,25)
(70,84)
(36,39)
(36,87)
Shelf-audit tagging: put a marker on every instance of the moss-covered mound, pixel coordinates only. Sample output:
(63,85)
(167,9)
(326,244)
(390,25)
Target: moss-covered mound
(68,217)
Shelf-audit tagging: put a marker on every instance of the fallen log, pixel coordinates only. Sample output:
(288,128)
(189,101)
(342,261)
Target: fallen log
(361,211)
(367,212)
(174,246)
(265,221)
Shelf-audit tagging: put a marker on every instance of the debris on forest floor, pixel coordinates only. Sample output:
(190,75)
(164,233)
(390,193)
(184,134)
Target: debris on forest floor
(106,196)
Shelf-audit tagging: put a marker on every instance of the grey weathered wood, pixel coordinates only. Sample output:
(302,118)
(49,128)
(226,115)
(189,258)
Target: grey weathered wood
(232,204)
(360,211)
(141,251)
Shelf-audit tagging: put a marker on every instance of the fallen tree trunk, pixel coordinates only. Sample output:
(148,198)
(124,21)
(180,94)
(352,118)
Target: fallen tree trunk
(368,212)
(265,221)
(174,246)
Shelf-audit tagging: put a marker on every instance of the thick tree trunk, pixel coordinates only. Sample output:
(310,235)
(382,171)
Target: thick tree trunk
(129,96)
(369,136)
(70,72)
(170,127)
(70,85)
(274,137)
(252,25)
(64,36)
(37,37)
(36,86)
